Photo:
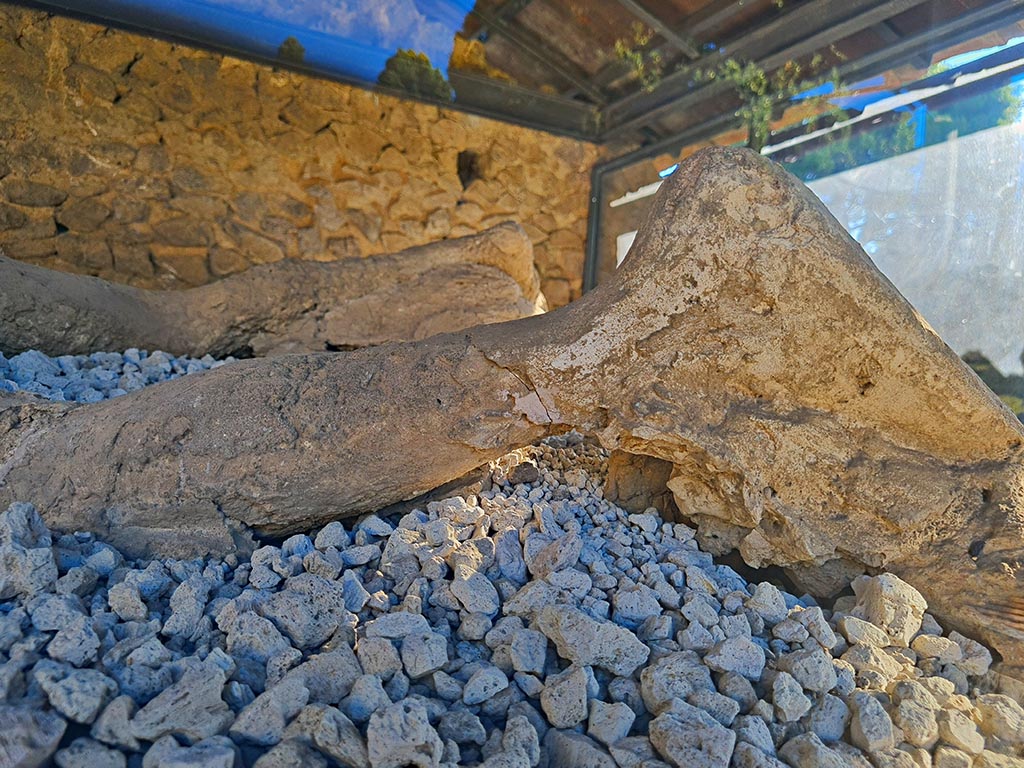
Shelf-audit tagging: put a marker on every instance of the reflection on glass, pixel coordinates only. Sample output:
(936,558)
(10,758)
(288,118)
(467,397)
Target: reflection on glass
(415,36)
(402,44)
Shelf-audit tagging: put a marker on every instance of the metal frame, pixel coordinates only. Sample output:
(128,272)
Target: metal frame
(831,18)
(676,40)
(541,51)
(965,26)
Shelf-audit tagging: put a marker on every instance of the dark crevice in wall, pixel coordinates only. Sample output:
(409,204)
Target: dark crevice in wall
(468,168)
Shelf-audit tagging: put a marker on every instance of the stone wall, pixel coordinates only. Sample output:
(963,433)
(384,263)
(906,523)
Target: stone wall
(166,166)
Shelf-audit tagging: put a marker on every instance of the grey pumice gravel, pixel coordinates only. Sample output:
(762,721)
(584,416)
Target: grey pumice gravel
(533,625)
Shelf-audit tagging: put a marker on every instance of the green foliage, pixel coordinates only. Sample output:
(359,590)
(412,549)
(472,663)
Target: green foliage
(1015,404)
(847,149)
(1009,388)
(291,50)
(762,93)
(411,71)
(646,65)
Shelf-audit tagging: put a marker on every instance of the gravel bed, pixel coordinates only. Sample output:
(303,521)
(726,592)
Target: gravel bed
(95,377)
(536,624)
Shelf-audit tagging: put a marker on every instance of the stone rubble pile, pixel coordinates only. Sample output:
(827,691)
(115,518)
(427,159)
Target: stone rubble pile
(95,377)
(533,625)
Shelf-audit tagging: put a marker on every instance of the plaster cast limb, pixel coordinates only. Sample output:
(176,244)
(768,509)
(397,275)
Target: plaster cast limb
(287,306)
(808,413)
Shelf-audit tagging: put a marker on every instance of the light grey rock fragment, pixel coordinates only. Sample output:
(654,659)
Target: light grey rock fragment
(589,642)
(191,708)
(29,736)
(521,736)
(870,725)
(751,729)
(1001,717)
(633,752)
(528,651)
(720,707)
(814,620)
(356,596)
(76,643)
(330,732)
(397,625)
(462,727)
(25,572)
(263,722)
(475,591)
(561,553)
(214,752)
(160,749)
(378,656)
(768,603)
(564,698)
(12,627)
(748,756)
(291,754)
(690,738)
(21,524)
(483,684)
(951,757)
(424,653)
(113,726)
(937,647)
(630,607)
(739,689)
(187,604)
(509,554)
(915,713)
(254,638)
(737,654)
(812,668)
(126,601)
(568,748)
(328,676)
(332,535)
(86,753)
(77,694)
(808,751)
(401,735)
(788,698)
(299,617)
(958,730)
(976,657)
(609,723)
(51,613)
(829,718)
(671,677)
(366,697)
(354,556)
(860,632)
(531,599)
(890,603)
